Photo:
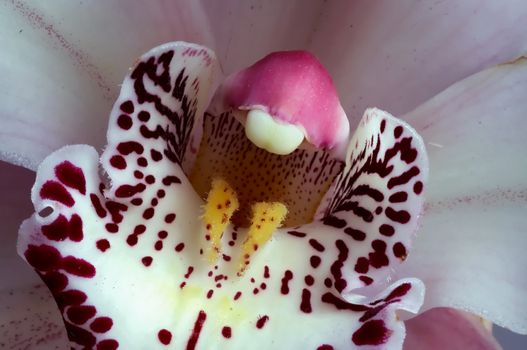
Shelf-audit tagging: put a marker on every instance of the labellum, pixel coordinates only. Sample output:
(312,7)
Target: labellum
(252,220)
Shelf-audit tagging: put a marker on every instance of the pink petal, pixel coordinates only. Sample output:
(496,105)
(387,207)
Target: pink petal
(471,251)
(443,328)
(396,55)
(62,62)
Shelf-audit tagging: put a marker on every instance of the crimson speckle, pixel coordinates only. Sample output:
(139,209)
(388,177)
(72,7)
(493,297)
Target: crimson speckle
(226,332)
(108,344)
(143,116)
(164,336)
(180,247)
(156,155)
(112,228)
(315,261)
(169,218)
(373,332)
(126,148)
(147,260)
(118,162)
(326,346)
(43,257)
(162,234)
(56,191)
(158,245)
(71,176)
(101,324)
(260,323)
(399,250)
(141,161)
(103,245)
(288,276)
(70,297)
(150,179)
(386,230)
(127,107)
(400,216)
(397,131)
(148,213)
(418,187)
(78,267)
(80,314)
(124,121)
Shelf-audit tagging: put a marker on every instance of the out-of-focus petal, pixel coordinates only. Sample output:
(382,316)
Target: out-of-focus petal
(62,61)
(471,249)
(443,328)
(396,55)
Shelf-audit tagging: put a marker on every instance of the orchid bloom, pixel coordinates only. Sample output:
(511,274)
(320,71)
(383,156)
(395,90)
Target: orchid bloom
(180,241)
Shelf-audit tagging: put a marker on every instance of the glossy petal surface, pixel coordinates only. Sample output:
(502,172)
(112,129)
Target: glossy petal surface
(471,250)
(443,328)
(125,263)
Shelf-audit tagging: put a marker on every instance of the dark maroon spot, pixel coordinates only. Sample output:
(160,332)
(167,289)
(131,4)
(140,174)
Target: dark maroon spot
(399,292)
(156,155)
(297,234)
(126,191)
(198,325)
(170,218)
(305,305)
(309,280)
(328,283)
(418,187)
(180,247)
(143,116)
(378,210)
(147,260)
(43,257)
(373,332)
(141,161)
(70,297)
(400,216)
(137,201)
(80,336)
(101,324)
(403,178)
(55,191)
(80,314)
(336,267)
(158,245)
(57,230)
(315,261)
(340,304)
(127,107)
(148,213)
(237,295)
(125,148)
(75,228)
(161,193)
(108,344)
(383,125)
(210,293)
(397,131)
(367,280)
(399,250)
(189,271)
(226,332)
(357,235)
(365,190)
(99,209)
(266,272)
(164,336)
(398,197)
(78,267)
(71,176)
(138,175)
(378,258)
(115,209)
(316,245)
(162,234)
(139,229)
(326,346)
(124,121)
(169,180)
(362,265)
(132,240)
(386,230)
(288,276)
(334,221)
(260,323)
(55,281)
(150,179)
(118,162)
(112,228)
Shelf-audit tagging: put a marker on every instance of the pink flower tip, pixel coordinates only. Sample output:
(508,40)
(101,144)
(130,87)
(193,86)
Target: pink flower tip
(294,88)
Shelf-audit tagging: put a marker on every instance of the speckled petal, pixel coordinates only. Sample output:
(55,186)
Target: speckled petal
(125,261)
(471,249)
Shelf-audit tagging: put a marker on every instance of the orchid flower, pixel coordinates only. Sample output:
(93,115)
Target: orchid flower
(134,288)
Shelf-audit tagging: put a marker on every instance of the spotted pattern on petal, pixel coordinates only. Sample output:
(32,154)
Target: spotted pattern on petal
(378,198)
(125,259)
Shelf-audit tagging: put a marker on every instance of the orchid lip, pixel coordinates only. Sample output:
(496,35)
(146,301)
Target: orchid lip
(134,251)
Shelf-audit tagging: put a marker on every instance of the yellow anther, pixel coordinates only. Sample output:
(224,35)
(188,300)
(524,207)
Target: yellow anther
(266,218)
(221,204)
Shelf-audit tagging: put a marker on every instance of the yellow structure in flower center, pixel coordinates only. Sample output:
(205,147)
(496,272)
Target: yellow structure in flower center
(221,204)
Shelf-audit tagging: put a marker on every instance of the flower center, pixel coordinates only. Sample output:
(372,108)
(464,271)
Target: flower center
(299,180)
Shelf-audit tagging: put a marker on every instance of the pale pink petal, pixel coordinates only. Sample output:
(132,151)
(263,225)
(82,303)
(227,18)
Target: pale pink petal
(443,328)
(62,61)
(471,249)
(397,54)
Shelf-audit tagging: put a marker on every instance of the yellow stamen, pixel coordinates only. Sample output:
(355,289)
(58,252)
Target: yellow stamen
(266,218)
(221,205)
